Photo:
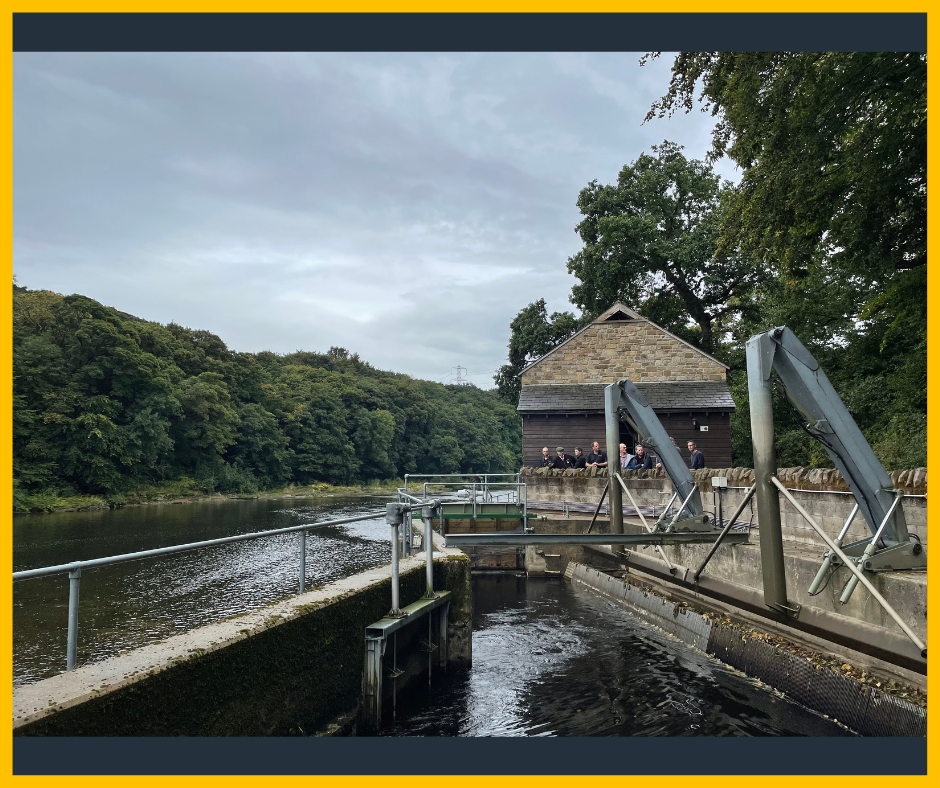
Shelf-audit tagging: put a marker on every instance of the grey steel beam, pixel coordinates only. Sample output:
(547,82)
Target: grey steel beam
(675,537)
(826,416)
(760,359)
(612,427)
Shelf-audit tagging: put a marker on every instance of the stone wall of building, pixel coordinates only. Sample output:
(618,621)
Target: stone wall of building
(607,352)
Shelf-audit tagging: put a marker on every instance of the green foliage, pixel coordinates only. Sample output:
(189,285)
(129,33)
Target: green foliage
(653,238)
(826,234)
(833,151)
(110,406)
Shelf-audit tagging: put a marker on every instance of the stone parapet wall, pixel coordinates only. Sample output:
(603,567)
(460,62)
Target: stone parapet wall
(913,480)
(830,506)
(606,352)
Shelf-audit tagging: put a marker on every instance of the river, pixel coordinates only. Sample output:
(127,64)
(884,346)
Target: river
(548,658)
(131,604)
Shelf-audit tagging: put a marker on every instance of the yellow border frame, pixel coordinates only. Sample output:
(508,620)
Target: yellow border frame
(677,6)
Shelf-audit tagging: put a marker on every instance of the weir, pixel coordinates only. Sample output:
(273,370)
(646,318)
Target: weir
(756,572)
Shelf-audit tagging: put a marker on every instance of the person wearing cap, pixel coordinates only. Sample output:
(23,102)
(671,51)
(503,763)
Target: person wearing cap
(562,460)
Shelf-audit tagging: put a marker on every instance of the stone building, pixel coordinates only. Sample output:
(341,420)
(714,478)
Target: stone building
(562,398)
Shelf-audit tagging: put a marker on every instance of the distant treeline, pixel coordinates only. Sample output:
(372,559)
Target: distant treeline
(104,402)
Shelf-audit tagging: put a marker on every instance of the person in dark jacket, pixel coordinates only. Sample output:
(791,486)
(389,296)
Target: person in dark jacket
(580,461)
(640,461)
(597,458)
(561,460)
(546,461)
(697,459)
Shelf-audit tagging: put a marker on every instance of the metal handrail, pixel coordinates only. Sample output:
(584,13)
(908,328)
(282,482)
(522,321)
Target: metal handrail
(74,569)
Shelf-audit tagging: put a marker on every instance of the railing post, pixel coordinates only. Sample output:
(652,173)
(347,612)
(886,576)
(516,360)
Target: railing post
(427,512)
(303,561)
(394,514)
(71,651)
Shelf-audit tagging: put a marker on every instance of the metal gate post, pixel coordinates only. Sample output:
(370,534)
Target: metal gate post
(71,649)
(760,353)
(444,611)
(395,513)
(612,423)
(372,682)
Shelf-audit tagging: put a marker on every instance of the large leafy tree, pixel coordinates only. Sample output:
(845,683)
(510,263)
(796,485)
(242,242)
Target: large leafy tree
(652,238)
(833,198)
(832,147)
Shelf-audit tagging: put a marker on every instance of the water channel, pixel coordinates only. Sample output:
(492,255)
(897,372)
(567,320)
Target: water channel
(548,658)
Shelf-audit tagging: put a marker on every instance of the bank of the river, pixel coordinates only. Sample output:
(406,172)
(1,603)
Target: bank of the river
(185,491)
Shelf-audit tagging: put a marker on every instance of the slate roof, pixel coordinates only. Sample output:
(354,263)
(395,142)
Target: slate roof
(589,397)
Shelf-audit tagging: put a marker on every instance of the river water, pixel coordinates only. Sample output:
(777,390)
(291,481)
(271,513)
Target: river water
(551,659)
(131,604)
(548,658)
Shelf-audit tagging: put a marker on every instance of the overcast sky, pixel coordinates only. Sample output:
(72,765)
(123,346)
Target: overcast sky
(404,206)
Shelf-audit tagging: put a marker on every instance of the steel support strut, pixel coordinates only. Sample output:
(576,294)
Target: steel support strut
(850,565)
(612,424)
(759,361)
(724,532)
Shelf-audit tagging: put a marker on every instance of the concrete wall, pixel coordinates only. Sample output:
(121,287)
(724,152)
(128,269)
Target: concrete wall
(740,564)
(291,667)
(608,351)
(821,492)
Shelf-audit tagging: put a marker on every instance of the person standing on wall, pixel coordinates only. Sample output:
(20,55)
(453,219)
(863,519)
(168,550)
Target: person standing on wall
(697,459)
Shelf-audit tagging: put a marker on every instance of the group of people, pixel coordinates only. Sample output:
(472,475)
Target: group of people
(640,461)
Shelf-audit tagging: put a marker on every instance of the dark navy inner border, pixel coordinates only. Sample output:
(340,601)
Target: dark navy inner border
(473,756)
(426,32)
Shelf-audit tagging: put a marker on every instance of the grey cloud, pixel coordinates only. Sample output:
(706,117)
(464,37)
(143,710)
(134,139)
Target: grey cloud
(402,206)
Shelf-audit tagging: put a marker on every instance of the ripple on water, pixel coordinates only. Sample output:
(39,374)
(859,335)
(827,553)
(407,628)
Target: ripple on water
(129,605)
(550,659)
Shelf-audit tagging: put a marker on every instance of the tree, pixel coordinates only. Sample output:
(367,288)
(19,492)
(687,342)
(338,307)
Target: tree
(533,334)
(833,201)
(653,237)
(832,147)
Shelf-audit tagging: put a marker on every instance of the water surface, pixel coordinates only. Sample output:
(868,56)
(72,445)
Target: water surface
(552,659)
(131,604)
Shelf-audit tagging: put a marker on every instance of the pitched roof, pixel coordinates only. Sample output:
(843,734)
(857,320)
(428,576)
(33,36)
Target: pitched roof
(621,312)
(589,397)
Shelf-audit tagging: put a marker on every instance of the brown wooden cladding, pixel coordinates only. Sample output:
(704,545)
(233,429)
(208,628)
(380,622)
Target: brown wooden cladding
(554,429)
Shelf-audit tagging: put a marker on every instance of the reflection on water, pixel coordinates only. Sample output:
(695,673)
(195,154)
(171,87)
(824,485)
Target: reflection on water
(131,604)
(550,659)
